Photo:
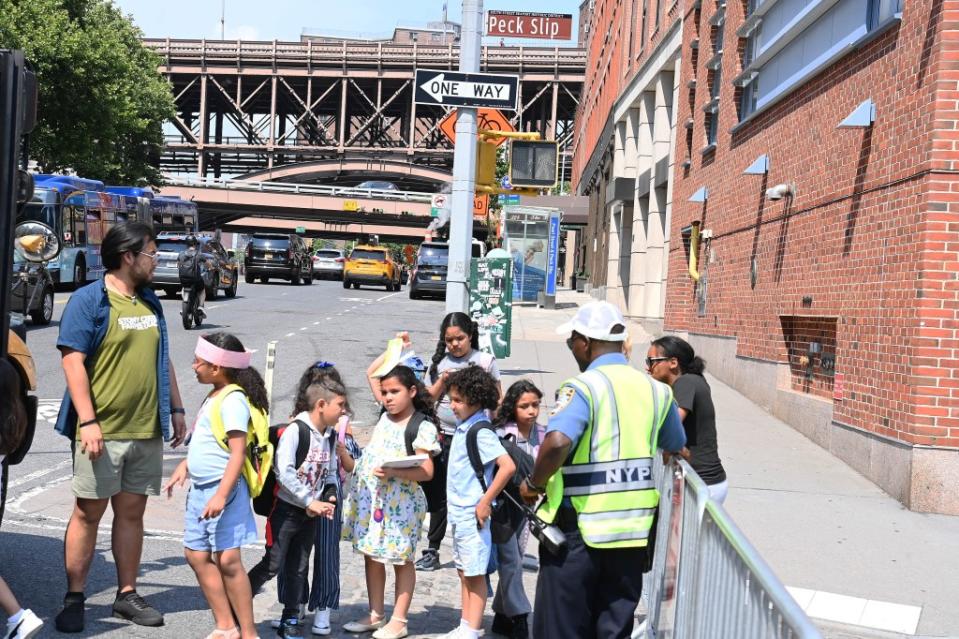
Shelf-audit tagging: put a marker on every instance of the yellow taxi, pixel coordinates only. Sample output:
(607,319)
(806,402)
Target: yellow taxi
(371,264)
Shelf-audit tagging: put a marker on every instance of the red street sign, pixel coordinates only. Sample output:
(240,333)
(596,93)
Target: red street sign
(521,24)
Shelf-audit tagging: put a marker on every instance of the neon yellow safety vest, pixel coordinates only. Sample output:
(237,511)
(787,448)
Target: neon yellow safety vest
(609,479)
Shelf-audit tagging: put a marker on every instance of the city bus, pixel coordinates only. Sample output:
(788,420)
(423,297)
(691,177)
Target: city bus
(81,211)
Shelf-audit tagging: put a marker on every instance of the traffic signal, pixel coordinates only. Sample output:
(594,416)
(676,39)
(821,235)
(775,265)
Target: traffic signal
(533,163)
(485,163)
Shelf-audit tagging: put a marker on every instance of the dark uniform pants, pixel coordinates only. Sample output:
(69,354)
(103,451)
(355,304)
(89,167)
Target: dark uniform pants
(587,593)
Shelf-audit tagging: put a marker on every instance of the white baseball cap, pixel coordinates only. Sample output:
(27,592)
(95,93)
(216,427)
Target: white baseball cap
(596,320)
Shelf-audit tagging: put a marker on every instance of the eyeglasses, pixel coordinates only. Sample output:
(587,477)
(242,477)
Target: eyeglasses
(652,361)
(153,256)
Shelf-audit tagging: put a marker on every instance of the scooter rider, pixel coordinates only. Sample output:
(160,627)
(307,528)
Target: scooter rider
(192,271)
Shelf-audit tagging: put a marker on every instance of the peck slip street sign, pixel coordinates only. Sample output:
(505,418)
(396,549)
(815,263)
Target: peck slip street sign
(448,88)
(517,24)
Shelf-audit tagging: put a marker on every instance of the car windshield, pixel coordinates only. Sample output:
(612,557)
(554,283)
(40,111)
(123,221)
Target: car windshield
(271,242)
(362,254)
(327,253)
(434,255)
(171,246)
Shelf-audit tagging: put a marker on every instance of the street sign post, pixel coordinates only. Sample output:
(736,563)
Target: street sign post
(439,202)
(448,88)
(520,24)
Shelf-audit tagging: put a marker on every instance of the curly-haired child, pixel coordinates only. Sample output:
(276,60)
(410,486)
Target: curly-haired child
(473,394)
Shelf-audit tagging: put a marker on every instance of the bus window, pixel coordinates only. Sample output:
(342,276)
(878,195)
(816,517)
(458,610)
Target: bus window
(79,225)
(94,223)
(68,232)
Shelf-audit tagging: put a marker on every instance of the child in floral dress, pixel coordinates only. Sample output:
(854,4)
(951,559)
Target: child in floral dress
(385,508)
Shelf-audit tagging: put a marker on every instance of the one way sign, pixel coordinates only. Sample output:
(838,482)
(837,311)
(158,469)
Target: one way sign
(448,88)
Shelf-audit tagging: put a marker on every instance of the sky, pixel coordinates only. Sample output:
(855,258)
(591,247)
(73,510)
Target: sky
(286,19)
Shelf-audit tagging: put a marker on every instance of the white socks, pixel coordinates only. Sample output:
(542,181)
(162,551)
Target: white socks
(15,619)
(467,631)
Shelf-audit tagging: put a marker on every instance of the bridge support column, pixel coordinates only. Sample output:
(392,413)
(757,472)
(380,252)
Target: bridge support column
(204,117)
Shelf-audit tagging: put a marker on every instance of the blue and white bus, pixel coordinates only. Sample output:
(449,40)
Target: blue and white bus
(82,211)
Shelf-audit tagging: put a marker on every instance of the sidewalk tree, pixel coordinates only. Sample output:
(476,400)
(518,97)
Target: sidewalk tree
(102,103)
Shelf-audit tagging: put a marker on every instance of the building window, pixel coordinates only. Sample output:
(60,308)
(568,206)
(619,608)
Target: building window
(659,12)
(642,28)
(796,39)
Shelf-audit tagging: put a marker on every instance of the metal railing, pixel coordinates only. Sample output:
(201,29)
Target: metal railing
(567,60)
(298,189)
(707,580)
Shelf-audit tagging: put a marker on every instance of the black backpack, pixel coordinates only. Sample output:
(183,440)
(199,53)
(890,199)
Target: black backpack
(507,515)
(434,489)
(188,266)
(264,502)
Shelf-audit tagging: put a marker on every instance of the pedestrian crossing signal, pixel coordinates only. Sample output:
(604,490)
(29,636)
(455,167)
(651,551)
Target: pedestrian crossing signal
(533,164)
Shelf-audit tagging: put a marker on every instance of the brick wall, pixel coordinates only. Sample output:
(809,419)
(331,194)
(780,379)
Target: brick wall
(870,238)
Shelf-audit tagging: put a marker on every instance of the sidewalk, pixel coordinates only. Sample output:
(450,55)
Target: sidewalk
(854,557)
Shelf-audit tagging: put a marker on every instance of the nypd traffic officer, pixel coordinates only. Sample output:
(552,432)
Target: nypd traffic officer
(595,470)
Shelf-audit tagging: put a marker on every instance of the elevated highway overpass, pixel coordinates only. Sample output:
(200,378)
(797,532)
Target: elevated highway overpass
(324,211)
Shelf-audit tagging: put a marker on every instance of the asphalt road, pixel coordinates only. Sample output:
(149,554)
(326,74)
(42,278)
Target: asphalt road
(321,321)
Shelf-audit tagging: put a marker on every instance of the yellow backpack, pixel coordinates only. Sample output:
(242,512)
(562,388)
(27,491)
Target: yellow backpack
(259,450)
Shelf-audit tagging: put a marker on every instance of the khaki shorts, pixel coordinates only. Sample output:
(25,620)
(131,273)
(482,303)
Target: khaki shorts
(126,465)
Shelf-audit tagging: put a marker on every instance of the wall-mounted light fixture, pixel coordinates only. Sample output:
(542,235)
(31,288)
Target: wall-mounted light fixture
(780,191)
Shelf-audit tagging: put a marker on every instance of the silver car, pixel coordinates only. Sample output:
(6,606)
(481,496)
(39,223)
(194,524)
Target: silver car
(328,264)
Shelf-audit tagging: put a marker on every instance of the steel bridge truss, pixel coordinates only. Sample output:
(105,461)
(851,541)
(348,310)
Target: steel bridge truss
(247,106)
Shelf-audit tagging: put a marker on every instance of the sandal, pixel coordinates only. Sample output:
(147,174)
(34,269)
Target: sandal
(383,633)
(377,621)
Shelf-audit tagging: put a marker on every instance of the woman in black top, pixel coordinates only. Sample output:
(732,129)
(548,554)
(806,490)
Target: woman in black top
(673,361)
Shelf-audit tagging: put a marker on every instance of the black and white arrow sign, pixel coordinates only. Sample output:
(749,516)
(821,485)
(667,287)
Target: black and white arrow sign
(466,89)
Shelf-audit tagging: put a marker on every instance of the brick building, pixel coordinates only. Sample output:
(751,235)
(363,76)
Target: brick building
(817,149)
(624,154)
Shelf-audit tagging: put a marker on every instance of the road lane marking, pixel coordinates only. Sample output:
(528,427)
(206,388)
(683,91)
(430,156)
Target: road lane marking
(316,323)
(304,328)
(290,334)
(26,479)
(386,297)
(328,319)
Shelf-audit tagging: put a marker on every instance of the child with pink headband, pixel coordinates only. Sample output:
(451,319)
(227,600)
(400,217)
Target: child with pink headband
(219,516)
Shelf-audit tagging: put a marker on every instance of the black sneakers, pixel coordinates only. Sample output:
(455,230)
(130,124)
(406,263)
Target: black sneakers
(520,628)
(430,561)
(70,617)
(290,627)
(132,607)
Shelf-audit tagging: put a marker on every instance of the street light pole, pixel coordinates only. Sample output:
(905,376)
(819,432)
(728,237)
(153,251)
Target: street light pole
(464,168)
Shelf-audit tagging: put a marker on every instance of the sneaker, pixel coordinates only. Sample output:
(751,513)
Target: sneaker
(290,627)
(502,625)
(276,622)
(321,622)
(27,626)
(132,607)
(520,628)
(70,617)
(430,561)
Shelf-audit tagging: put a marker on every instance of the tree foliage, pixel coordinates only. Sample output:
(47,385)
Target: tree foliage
(102,103)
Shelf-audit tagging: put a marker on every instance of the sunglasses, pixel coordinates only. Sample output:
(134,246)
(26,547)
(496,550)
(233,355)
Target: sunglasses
(652,361)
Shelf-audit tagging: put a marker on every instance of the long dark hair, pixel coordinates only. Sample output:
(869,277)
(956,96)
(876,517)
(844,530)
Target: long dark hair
(246,378)
(507,410)
(461,321)
(13,413)
(315,374)
(672,346)
(422,402)
(123,238)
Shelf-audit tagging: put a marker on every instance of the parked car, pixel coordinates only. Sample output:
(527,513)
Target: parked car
(371,265)
(222,267)
(279,256)
(429,272)
(378,185)
(31,290)
(328,263)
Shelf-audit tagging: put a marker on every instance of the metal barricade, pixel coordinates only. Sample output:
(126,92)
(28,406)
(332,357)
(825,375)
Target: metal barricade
(707,581)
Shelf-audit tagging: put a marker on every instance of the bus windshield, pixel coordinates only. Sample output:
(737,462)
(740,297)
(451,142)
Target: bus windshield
(45,213)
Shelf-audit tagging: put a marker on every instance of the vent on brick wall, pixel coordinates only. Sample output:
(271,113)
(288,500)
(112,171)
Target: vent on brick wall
(811,349)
